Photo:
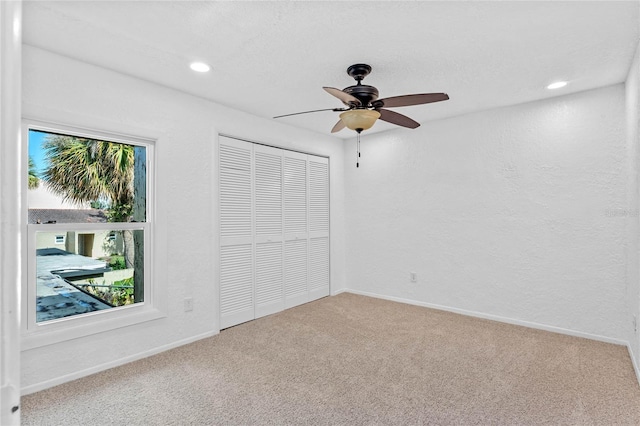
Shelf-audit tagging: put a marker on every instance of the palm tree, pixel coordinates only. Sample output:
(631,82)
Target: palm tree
(34,181)
(85,170)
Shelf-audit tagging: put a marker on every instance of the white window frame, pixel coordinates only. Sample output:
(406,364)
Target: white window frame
(60,239)
(36,334)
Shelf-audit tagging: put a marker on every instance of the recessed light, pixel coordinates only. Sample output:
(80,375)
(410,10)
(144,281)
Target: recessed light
(199,66)
(557,85)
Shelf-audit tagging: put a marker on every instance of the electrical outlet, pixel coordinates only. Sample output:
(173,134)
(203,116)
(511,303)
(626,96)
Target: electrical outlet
(188,304)
(413,277)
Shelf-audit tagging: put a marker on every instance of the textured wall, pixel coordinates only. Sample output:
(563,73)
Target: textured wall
(632,89)
(511,212)
(10,261)
(61,90)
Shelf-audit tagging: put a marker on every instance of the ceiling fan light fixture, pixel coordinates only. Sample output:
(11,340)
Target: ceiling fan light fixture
(359,119)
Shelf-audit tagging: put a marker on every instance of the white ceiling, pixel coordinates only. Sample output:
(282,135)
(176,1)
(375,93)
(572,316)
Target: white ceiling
(272,58)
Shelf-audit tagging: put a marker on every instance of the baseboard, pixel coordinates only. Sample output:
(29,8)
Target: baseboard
(116,363)
(498,318)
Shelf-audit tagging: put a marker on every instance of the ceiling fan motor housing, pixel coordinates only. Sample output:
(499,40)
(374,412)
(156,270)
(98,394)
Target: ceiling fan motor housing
(365,94)
(362,92)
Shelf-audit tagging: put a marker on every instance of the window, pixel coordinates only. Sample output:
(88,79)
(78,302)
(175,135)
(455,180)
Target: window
(88,227)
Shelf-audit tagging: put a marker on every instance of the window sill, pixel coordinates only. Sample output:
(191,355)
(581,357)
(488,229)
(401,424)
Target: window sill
(53,332)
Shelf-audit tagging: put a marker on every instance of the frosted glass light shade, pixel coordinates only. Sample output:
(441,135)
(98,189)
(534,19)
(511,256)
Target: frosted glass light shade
(359,119)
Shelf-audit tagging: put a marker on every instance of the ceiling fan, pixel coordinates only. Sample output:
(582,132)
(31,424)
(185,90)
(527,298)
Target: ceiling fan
(363,107)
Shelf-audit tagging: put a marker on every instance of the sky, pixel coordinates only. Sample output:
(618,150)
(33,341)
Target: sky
(36,152)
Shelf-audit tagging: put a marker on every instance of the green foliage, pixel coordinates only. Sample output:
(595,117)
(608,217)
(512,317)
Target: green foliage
(126,281)
(98,204)
(117,262)
(119,212)
(113,295)
(34,180)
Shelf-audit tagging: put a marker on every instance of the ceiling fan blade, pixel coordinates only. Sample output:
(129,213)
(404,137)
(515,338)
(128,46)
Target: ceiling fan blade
(399,119)
(408,100)
(307,112)
(346,98)
(339,126)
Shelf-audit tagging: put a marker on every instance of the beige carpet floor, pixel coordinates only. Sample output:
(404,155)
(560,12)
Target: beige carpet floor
(354,360)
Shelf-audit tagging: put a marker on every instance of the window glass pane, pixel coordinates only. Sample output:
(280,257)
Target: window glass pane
(78,180)
(75,180)
(91,271)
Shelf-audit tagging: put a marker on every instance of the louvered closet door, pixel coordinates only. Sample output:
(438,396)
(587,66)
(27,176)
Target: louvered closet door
(236,232)
(296,288)
(274,230)
(318,227)
(269,239)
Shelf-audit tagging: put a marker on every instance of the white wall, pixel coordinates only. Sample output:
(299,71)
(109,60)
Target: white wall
(632,91)
(62,90)
(511,213)
(10,259)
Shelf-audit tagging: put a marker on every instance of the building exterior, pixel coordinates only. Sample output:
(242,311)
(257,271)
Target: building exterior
(89,243)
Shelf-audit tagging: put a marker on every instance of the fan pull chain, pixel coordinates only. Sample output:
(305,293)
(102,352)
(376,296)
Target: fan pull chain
(358,148)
